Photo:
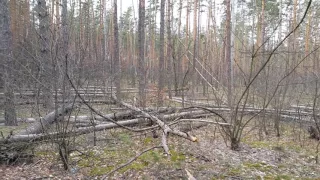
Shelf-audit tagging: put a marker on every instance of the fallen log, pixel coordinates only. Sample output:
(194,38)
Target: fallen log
(23,120)
(39,126)
(100,127)
(123,115)
(163,113)
(79,131)
(89,119)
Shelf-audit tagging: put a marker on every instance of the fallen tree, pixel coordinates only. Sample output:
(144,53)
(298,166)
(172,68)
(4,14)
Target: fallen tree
(174,121)
(15,146)
(170,120)
(40,126)
(101,127)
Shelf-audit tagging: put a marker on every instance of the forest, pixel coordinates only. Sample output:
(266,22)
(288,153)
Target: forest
(160,89)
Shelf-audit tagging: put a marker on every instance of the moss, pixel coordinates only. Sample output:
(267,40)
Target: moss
(84,163)
(260,166)
(219,177)
(125,137)
(281,166)
(152,156)
(283,177)
(235,171)
(259,144)
(279,177)
(269,177)
(45,153)
(293,146)
(98,171)
(147,140)
(118,159)
(89,160)
(90,154)
(6,130)
(49,155)
(201,167)
(135,166)
(177,157)
(110,153)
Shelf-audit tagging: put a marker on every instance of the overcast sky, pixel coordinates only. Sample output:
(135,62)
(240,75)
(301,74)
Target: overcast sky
(123,5)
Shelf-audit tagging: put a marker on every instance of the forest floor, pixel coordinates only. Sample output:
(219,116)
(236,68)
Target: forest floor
(292,156)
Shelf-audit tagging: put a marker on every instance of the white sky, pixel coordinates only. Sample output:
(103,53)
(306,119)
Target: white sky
(123,5)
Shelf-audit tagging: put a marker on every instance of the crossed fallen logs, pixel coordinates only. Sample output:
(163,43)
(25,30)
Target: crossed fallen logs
(37,130)
(169,120)
(175,121)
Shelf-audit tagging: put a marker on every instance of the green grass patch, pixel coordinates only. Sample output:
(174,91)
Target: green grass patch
(138,166)
(278,177)
(260,166)
(177,156)
(151,156)
(259,144)
(99,171)
(235,171)
(147,140)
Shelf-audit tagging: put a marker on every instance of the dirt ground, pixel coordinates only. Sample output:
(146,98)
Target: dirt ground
(292,156)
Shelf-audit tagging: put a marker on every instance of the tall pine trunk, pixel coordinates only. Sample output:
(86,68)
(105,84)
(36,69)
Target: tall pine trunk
(45,69)
(7,64)
(228,50)
(141,63)
(169,50)
(116,52)
(161,55)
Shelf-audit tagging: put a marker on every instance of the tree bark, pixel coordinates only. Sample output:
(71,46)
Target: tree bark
(161,55)
(195,49)
(45,69)
(116,57)
(169,50)
(228,59)
(141,63)
(7,64)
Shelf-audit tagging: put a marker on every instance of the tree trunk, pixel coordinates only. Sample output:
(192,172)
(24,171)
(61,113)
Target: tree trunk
(195,52)
(64,49)
(45,69)
(161,55)
(7,64)
(235,144)
(228,51)
(116,51)
(141,63)
(177,61)
(169,50)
